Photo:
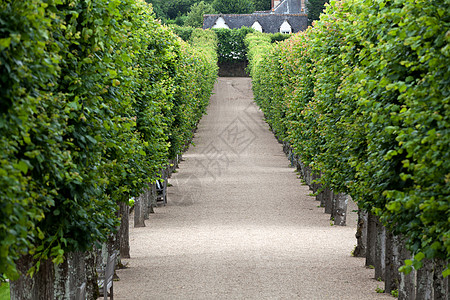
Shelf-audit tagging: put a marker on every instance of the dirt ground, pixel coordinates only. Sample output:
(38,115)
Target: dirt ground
(239,224)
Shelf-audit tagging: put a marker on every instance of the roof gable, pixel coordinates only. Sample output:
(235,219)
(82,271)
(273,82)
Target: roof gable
(270,23)
(220,23)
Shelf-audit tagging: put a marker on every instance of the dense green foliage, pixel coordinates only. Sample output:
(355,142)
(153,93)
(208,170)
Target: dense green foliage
(194,17)
(4,291)
(278,37)
(96,96)
(314,9)
(262,5)
(233,6)
(231,45)
(171,9)
(181,12)
(363,97)
(184,32)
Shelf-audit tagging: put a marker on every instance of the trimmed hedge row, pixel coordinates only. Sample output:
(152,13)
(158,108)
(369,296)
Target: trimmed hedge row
(231,42)
(363,97)
(231,46)
(96,96)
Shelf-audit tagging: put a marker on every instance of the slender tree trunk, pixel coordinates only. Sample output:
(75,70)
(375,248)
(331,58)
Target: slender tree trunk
(380,251)
(308,176)
(139,220)
(407,287)
(424,288)
(314,184)
(361,234)
(340,216)
(333,205)
(440,284)
(91,275)
(319,196)
(153,195)
(328,195)
(124,232)
(392,275)
(145,204)
(371,240)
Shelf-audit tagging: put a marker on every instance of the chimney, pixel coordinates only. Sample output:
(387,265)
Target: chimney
(275,3)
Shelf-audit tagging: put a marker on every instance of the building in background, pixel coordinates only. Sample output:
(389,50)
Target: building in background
(286,16)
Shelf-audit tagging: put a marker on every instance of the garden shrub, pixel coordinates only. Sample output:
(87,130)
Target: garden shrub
(184,32)
(231,46)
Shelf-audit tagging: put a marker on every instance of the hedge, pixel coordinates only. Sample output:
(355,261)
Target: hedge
(363,97)
(231,46)
(96,96)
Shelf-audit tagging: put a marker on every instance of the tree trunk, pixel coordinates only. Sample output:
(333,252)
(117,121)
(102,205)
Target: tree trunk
(340,215)
(361,234)
(328,195)
(380,252)
(371,240)
(153,196)
(424,288)
(392,276)
(440,284)
(139,220)
(39,287)
(146,198)
(92,292)
(407,286)
(69,275)
(314,184)
(319,196)
(307,176)
(124,231)
(51,281)
(333,204)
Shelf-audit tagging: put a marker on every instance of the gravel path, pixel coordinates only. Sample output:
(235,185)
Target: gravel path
(239,224)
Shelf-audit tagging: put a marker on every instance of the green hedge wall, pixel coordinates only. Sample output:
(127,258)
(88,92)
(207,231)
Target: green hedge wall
(363,97)
(231,45)
(96,96)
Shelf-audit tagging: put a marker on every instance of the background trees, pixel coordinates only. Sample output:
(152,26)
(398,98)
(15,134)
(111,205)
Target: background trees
(194,17)
(234,6)
(190,12)
(315,8)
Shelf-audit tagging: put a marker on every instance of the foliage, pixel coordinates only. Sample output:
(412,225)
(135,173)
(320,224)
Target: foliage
(195,15)
(196,74)
(93,100)
(184,32)
(278,37)
(171,9)
(233,6)
(231,45)
(262,5)
(363,98)
(4,291)
(394,293)
(315,8)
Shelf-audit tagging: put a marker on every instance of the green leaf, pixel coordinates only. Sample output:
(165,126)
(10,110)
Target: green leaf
(22,166)
(5,43)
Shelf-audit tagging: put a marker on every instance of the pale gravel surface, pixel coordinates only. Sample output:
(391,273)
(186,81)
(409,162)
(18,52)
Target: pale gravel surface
(239,224)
